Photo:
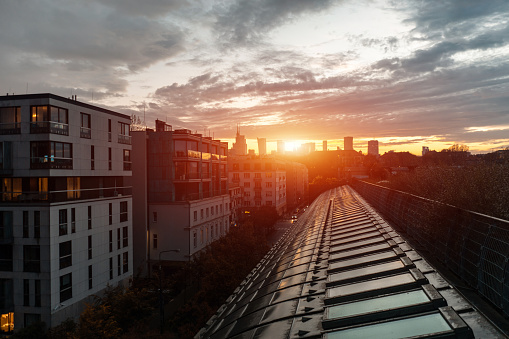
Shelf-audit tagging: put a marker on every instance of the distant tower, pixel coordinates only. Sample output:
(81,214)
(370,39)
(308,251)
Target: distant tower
(240,145)
(262,146)
(280,146)
(324,146)
(425,149)
(348,143)
(373,147)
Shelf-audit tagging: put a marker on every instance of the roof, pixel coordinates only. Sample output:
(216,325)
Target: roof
(343,272)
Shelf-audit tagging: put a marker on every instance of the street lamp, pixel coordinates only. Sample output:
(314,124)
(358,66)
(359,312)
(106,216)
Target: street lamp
(161,301)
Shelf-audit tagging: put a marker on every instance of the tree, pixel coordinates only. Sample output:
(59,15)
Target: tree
(137,124)
(97,321)
(456,148)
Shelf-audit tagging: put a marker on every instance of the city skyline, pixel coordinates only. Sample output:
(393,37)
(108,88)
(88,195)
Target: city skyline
(407,73)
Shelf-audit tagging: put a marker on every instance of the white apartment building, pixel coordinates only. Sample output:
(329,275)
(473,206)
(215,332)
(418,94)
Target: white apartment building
(181,194)
(65,209)
(262,179)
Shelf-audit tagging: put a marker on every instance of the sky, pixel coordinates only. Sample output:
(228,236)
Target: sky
(409,73)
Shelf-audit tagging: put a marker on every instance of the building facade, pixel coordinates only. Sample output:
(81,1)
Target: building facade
(239,147)
(373,147)
(184,177)
(348,143)
(65,209)
(297,184)
(262,180)
(262,146)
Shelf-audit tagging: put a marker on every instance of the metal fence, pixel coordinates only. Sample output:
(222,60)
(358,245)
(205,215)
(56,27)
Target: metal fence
(472,245)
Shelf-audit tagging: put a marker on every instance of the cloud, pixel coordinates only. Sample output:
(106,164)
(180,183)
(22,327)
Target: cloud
(246,22)
(81,41)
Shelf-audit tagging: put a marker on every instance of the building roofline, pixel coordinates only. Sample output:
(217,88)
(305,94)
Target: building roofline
(60,98)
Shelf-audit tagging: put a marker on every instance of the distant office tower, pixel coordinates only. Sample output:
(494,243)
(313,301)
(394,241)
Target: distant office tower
(324,146)
(373,147)
(239,147)
(425,149)
(348,144)
(307,148)
(280,146)
(262,146)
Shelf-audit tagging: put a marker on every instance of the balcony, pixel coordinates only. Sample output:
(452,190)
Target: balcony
(128,166)
(65,195)
(85,133)
(50,163)
(257,179)
(124,139)
(52,127)
(10,128)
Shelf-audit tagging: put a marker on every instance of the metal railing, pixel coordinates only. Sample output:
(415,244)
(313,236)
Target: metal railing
(472,245)
(49,127)
(10,128)
(65,195)
(50,162)
(124,139)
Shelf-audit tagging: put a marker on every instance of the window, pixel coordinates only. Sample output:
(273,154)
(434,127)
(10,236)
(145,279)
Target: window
(110,213)
(201,213)
(92,157)
(247,184)
(89,277)
(37,289)
(85,130)
(195,215)
(125,262)
(212,231)
(65,287)
(109,130)
(37,224)
(154,241)
(111,268)
(26,292)
(6,258)
(201,236)
(268,203)
(236,177)
(195,241)
(31,258)
(235,167)
(25,224)
(119,267)
(247,175)
(73,187)
(109,159)
(49,119)
(111,240)
(50,155)
(73,220)
(89,217)
(125,236)
(10,120)
(65,254)
(268,194)
(127,160)
(124,134)
(268,184)
(217,209)
(118,238)
(258,203)
(268,175)
(258,175)
(89,247)
(123,211)
(62,222)
(6,225)
(212,210)
(154,217)
(207,212)
(258,184)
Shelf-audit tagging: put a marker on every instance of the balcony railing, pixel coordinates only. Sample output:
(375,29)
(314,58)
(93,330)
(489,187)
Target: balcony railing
(85,132)
(50,163)
(128,166)
(10,128)
(49,127)
(65,195)
(124,139)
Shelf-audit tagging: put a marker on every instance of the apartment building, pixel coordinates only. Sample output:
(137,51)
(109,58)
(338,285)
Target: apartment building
(65,209)
(262,180)
(181,194)
(297,184)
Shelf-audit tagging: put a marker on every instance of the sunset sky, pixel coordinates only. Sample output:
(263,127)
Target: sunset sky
(407,73)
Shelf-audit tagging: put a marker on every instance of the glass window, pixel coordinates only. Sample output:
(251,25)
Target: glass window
(154,241)
(123,211)
(118,238)
(125,262)
(31,258)
(111,268)
(90,277)
(85,130)
(195,215)
(37,289)
(111,240)
(25,226)
(62,222)
(127,160)
(125,236)
(6,258)
(110,215)
(37,224)
(26,292)
(73,220)
(10,120)
(65,254)
(65,287)
(89,247)
(89,217)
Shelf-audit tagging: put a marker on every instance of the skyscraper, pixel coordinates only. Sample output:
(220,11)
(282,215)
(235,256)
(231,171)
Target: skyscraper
(348,144)
(373,147)
(324,146)
(239,147)
(262,146)
(280,147)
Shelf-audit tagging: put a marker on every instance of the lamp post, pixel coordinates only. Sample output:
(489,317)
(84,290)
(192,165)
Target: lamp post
(161,301)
